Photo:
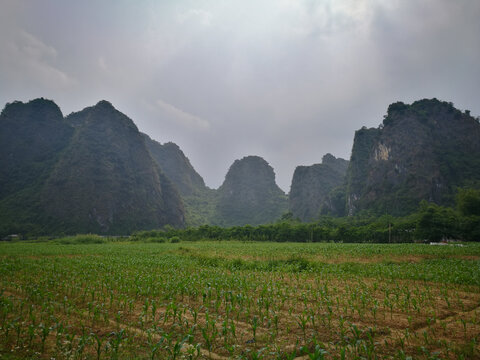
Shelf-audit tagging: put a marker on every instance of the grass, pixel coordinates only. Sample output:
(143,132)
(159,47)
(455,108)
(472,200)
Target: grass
(66,299)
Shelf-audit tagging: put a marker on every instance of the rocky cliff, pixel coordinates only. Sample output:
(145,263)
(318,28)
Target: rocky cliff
(312,190)
(421,151)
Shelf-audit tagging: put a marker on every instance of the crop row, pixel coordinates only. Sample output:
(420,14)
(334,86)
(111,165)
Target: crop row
(123,300)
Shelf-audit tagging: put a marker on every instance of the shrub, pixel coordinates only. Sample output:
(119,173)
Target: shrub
(174,239)
(82,239)
(156,239)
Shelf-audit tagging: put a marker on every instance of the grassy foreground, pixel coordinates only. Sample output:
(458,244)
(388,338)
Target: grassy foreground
(223,300)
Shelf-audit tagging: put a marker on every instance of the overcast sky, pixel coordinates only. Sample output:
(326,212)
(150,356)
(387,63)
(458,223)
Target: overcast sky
(288,80)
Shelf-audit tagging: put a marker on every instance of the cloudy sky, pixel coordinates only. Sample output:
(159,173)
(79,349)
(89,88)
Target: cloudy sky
(289,80)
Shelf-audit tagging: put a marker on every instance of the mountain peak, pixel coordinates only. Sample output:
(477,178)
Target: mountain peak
(249,194)
(426,111)
(256,167)
(172,145)
(107,169)
(105,104)
(327,158)
(104,115)
(423,151)
(312,188)
(36,109)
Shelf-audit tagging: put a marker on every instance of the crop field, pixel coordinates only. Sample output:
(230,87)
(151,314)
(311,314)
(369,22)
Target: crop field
(223,300)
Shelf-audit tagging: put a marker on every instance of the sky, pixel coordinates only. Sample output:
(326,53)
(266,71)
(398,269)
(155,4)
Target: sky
(288,80)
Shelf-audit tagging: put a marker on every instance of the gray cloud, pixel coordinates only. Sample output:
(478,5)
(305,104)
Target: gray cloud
(284,79)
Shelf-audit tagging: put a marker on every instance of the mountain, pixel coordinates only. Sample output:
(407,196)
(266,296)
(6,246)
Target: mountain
(106,180)
(176,166)
(425,150)
(96,174)
(249,194)
(93,171)
(312,190)
(199,200)
(32,136)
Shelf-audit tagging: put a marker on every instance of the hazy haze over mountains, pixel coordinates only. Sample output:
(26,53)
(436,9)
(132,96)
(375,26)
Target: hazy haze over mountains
(285,80)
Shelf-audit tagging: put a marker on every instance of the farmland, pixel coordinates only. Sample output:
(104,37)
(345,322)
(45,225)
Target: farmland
(245,300)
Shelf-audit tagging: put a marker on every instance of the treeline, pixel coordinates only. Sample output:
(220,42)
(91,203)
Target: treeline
(327,229)
(431,222)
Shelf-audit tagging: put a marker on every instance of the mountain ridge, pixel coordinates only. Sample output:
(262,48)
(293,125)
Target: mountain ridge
(93,171)
(102,179)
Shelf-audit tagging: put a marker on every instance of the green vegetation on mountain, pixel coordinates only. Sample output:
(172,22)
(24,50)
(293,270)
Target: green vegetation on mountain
(176,166)
(200,207)
(32,137)
(95,172)
(198,199)
(429,222)
(88,173)
(312,191)
(249,194)
(423,151)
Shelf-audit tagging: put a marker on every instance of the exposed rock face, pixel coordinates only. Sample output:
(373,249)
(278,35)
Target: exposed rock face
(95,172)
(176,166)
(310,193)
(422,151)
(249,194)
(358,168)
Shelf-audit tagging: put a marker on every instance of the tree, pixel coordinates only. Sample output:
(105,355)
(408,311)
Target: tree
(468,202)
(436,222)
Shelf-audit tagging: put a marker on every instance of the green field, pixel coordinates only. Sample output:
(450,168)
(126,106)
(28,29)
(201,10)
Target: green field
(220,300)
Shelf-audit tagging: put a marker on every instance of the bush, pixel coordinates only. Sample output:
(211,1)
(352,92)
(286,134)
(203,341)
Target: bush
(468,202)
(470,228)
(82,239)
(156,239)
(174,239)
(298,263)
